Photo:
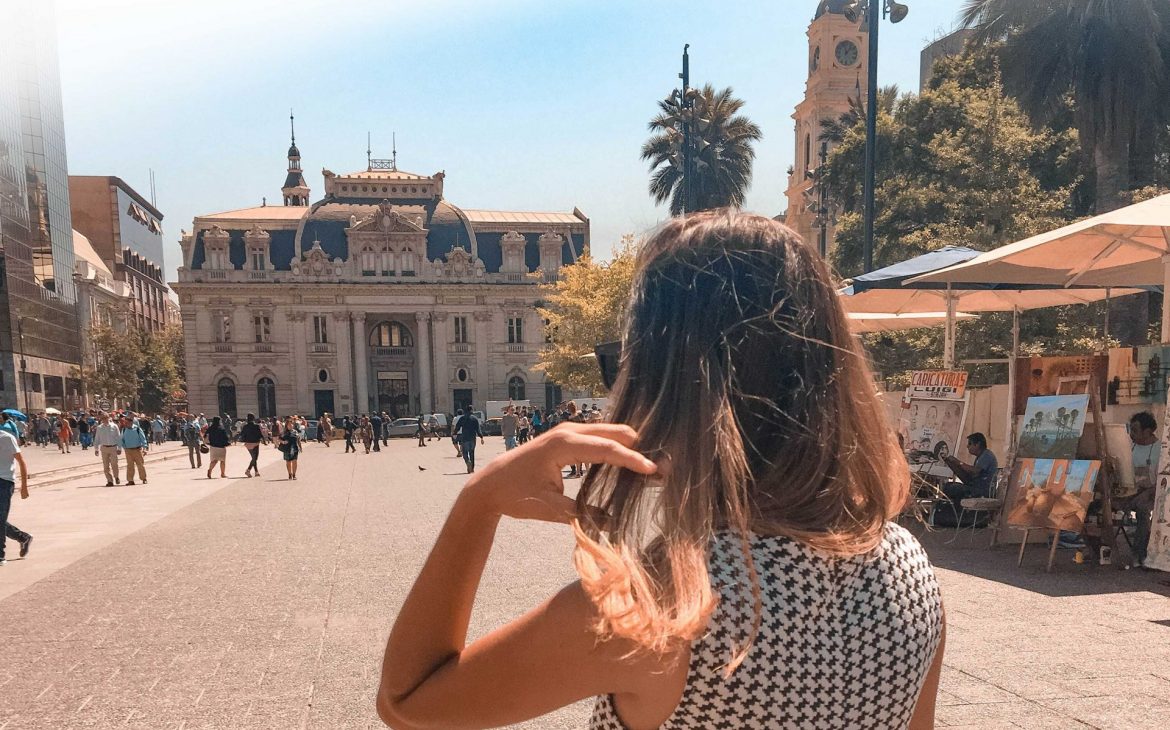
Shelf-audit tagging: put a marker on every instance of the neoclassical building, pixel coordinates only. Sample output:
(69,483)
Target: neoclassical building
(382,295)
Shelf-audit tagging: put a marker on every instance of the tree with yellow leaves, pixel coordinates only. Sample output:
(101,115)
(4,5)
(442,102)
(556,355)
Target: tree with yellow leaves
(582,309)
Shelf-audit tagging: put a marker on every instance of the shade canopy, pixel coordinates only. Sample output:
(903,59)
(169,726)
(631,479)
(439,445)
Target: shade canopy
(909,301)
(1123,248)
(865,322)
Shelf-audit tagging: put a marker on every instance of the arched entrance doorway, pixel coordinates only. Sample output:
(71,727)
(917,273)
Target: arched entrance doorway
(226,392)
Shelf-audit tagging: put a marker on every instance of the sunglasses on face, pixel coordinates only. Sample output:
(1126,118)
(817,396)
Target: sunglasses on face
(609,355)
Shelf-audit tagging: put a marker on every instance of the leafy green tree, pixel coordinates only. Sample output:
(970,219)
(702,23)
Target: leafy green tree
(1110,56)
(582,309)
(134,367)
(725,150)
(961,163)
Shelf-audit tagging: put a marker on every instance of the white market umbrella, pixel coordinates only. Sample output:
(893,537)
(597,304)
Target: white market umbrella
(866,322)
(1128,247)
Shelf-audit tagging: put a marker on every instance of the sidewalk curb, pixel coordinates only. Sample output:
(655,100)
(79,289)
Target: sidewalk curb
(95,472)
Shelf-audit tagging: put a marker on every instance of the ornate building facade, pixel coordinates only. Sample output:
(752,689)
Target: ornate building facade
(837,72)
(383,295)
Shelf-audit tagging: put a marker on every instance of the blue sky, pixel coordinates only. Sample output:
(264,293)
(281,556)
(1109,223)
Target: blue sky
(526,105)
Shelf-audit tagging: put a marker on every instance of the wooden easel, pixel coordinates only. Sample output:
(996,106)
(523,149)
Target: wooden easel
(1078,385)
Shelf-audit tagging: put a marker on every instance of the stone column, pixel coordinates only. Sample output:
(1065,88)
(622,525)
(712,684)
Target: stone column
(441,375)
(342,374)
(298,373)
(483,345)
(423,359)
(361,363)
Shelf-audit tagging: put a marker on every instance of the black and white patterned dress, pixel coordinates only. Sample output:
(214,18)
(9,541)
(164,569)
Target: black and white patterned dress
(844,643)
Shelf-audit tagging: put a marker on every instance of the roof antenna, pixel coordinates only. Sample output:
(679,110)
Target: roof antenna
(394,151)
(369,161)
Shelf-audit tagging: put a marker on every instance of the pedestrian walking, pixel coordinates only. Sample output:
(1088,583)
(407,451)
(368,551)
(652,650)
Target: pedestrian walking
(385,434)
(84,431)
(366,432)
(421,432)
(509,427)
(290,446)
(467,432)
(64,436)
(761,565)
(325,429)
(158,429)
(454,432)
(135,445)
(218,442)
(9,456)
(376,430)
(251,436)
(107,443)
(192,438)
(349,426)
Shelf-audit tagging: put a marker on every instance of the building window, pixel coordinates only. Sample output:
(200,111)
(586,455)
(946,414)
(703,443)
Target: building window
(516,388)
(369,261)
(387,263)
(258,261)
(461,330)
(462,375)
(226,391)
(322,376)
(262,324)
(223,327)
(266,397)
(391,334)
(515,330)
(320,328)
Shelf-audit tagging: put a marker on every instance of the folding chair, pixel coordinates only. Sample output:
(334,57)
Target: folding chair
(990,505)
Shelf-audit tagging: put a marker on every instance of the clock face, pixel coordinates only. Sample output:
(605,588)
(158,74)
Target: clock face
(815,62)
(847,53)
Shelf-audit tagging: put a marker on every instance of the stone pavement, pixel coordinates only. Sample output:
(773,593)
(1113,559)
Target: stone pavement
(264,603)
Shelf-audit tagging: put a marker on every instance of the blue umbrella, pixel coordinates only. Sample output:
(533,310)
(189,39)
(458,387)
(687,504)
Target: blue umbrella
(13,413)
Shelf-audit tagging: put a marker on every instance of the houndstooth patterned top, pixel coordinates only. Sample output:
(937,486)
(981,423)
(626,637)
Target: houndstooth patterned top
(843,643)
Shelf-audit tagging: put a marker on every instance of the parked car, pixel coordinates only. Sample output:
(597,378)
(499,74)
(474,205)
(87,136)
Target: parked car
(311,430)
(491,427)
(401,427)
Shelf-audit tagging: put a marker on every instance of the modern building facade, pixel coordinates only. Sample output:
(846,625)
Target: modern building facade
(837,73)
(126,232)
(39,348)
(381,296)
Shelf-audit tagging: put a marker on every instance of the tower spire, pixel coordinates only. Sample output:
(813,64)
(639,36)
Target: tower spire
(295,190)
(394,151)
(369,152)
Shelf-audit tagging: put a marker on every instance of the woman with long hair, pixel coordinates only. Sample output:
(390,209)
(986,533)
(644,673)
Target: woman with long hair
(739,564)
(290,445)
(251,435)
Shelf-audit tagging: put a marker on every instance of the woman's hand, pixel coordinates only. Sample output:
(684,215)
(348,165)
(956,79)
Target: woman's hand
(525,483)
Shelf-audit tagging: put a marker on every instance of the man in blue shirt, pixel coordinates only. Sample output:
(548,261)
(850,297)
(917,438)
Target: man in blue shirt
(466,431)
(135,444)
(978,479)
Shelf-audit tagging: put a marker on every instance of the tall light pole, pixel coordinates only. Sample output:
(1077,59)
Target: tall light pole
(23,362)
(896,12)
(685,98)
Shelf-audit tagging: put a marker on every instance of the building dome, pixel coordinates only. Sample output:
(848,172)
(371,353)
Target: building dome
(293,151)
(837,7)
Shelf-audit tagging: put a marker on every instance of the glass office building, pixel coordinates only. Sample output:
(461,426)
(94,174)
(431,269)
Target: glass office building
(38,317)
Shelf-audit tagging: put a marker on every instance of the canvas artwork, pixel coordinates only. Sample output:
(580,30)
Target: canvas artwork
(1051,493)
(1040,376)
(1158,550)
(1137,375)
(930,429)
(1052,426)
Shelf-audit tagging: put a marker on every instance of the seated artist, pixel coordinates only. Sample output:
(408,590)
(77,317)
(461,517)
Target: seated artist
(975,480)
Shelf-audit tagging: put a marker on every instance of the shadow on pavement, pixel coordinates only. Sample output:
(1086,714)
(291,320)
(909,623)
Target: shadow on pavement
(970,555)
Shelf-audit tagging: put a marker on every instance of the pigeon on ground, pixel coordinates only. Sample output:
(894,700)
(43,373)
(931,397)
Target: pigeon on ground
(422,468)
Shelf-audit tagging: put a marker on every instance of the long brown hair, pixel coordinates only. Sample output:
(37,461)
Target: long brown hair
(742,379)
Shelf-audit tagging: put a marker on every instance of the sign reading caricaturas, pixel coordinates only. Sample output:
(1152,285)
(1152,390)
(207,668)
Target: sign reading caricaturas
(949,384)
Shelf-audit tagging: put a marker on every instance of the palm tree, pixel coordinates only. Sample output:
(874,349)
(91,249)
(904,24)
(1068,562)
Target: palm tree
(1109,55)
(725,154)
(833,131)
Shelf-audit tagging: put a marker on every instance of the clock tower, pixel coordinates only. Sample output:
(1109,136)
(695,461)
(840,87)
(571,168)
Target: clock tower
(837,55)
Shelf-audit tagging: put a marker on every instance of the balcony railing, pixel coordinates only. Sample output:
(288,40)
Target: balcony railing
(216,274)
(515,347)
(461,347)
(263,347)
(223,347)
(321,347)
(392,351)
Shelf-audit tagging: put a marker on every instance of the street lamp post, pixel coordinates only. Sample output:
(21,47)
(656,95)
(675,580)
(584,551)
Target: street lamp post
(896,12)
(685,98)
(23,362)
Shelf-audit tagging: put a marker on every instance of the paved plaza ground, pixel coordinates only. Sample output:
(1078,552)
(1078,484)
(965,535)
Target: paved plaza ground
(263,603)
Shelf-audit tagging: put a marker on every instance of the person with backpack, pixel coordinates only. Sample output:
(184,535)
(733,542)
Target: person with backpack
(135,445)
(193,439)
